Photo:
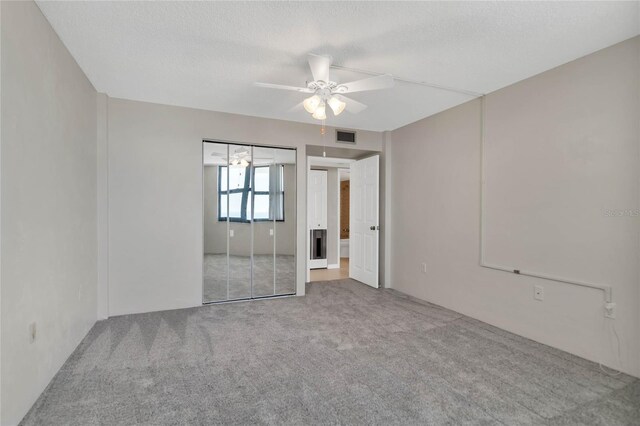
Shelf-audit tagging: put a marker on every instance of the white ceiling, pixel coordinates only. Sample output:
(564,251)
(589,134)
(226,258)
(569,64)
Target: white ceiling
(207,54)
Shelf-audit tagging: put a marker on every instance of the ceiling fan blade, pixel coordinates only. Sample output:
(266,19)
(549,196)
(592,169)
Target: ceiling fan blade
(297,107)
(320,66)
(353,106)
(384,81)
(283,87)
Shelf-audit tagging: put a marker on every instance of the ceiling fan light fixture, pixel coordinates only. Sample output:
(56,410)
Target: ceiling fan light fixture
(322,90)
(320,112)
(337,106)
(312,103)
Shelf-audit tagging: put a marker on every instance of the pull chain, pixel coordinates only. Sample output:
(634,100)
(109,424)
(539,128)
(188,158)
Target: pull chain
(324,142)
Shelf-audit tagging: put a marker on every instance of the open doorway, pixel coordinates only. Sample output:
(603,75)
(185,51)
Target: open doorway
(324,221)
(331,217)
(328,218)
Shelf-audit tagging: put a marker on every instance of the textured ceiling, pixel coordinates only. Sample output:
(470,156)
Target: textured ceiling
(207,54)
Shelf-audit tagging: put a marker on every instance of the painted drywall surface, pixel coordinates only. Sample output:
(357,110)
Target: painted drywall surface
(155,196)
(48,206)
(102,147)
(385,210)
(215,232)
(438,223)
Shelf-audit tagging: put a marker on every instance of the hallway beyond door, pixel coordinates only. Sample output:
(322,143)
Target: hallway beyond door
(332,274)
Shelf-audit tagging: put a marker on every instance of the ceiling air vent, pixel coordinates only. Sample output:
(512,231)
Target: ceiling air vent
(345,136)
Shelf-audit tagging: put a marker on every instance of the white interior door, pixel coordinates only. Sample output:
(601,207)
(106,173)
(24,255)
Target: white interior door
(317,195)
(364,228)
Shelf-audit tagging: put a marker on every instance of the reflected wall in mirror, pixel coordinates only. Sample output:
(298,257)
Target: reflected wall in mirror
(267,210)
(249,221)
(285,262)
(216,259)
(236,194)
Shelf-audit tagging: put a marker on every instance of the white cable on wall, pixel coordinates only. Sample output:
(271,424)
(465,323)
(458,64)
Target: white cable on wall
(607,291)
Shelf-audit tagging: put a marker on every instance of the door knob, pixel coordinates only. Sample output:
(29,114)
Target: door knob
(372,227)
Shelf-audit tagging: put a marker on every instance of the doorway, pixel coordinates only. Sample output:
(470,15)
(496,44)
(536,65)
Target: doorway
(331,213)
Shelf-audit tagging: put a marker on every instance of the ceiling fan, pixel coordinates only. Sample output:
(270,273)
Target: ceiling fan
(326,92)
(240,157)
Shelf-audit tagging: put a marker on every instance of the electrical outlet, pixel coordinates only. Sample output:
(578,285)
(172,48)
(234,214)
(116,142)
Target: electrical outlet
(424,268)
(538,292)
(610,310)
(32,332)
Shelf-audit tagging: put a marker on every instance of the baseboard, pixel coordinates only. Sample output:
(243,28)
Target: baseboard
(333,266)
(317,263)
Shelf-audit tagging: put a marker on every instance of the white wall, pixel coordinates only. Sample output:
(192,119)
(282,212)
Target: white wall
(48,226)
(435,199)
(155,196)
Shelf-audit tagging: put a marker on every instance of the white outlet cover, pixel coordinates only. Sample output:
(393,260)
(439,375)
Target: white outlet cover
(538,292)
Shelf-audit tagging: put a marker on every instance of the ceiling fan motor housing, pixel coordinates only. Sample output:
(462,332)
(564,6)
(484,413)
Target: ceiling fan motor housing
(325,89)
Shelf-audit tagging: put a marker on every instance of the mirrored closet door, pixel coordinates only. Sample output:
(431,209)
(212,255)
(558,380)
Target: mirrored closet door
(249,221)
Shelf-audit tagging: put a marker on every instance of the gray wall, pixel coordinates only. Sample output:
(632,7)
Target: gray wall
(48,211)
(155,196)
(215,232)
(580,116)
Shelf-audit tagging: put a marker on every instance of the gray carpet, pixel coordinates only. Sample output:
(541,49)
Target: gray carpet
(344,354)
(215,276)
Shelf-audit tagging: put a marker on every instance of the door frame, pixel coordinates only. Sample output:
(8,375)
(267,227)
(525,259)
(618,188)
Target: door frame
(250,145)
(307,237)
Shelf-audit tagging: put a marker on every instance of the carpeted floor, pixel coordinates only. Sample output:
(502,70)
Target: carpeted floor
(215,276)
(344,354)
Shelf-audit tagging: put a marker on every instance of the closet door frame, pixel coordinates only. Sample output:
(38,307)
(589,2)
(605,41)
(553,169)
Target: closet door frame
(294,194)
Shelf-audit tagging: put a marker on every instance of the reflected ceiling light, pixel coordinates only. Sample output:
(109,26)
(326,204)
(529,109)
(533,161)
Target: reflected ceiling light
(240,157)
(337,106)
